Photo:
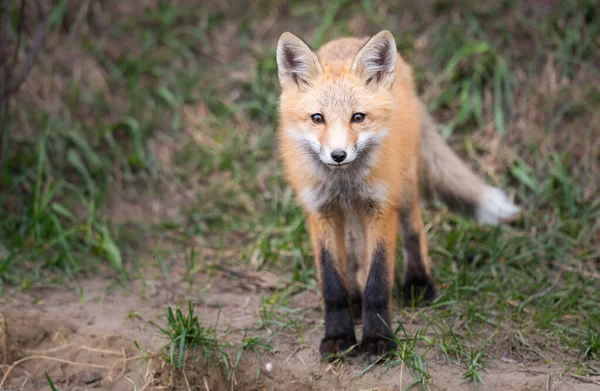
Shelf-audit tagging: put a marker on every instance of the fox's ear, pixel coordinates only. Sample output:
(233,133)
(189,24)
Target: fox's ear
(376,61)
(296,62)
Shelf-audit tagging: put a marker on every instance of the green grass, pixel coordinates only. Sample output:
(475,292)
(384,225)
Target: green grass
(407,354)
(518,95)
(50,383)
(474,365)
(188,339)
(258,346)
(470,66)
(185,334)
(52,219)
(573,32)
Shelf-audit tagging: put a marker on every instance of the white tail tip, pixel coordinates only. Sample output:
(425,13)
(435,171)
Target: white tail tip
(495,207)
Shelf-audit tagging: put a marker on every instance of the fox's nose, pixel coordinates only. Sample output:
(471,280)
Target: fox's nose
(338,155)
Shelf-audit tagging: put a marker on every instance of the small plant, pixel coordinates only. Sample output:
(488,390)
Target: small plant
(185,333)
(406,353)
(145,354)
(257,345)
(474,365)
(592,344)
(275,313)
(452,347)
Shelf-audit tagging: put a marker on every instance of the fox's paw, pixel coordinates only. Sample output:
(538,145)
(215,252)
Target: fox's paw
(332,347)
(418,290)
(375,347)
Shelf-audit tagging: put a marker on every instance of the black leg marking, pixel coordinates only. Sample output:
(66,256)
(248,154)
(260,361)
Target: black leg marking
(356,307)
(376,329)
(417,284)
(339,329)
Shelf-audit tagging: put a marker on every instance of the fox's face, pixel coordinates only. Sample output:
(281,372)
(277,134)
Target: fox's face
(337,113)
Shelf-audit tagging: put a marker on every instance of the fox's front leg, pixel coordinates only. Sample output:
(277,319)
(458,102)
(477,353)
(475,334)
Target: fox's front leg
(380,234)
(327,237)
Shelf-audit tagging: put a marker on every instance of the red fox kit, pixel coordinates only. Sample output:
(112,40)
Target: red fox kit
(358,148)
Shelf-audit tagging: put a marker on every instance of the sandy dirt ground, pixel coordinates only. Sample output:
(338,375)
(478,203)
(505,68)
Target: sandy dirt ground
(82,342)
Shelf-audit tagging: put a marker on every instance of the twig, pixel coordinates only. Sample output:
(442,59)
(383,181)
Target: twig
(584,379)
(147,384)
(187,383)
(19,34)
(548,384)
(125,360)
(29,358)
(148,369)
(3,348)
(11,86)
(132,382)
(149,378)
(4,107)
(38,38)
(62,347)
(124,365)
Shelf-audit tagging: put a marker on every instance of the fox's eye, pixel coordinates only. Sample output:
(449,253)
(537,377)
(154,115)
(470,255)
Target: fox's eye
(317,118)
(358,117)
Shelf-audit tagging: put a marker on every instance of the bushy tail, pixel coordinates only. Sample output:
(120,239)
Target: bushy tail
(444,174)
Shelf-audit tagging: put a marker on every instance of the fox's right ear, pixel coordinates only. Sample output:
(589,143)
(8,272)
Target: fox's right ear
(376,61)
(296,62)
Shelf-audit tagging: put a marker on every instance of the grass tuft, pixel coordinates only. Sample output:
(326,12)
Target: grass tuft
(592,345)
(185,335)
(407,354)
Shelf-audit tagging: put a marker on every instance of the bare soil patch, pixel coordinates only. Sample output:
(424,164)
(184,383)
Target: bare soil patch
(82,342)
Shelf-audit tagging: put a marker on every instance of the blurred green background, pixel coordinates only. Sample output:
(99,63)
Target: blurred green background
(149,127)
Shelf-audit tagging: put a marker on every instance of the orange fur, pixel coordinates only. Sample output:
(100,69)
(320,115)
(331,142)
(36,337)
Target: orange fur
(398,158)
(354,201)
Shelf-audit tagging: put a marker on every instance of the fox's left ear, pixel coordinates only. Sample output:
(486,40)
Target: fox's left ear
(376,61)
(296,62)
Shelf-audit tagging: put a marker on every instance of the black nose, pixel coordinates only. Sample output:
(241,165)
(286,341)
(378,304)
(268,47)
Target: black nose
(338,155)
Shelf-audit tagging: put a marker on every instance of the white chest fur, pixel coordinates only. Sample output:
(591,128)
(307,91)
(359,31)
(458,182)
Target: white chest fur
(344,192)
